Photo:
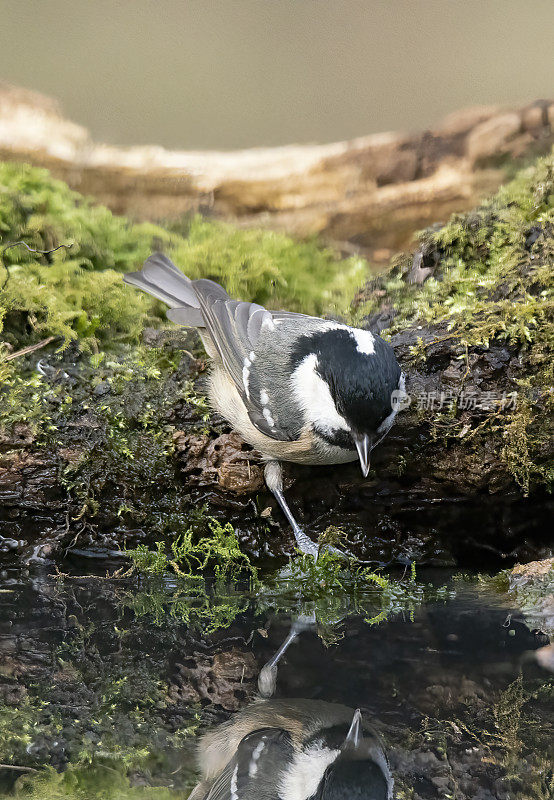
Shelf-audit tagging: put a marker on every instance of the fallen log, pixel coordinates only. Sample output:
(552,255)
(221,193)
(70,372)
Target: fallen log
(366,195)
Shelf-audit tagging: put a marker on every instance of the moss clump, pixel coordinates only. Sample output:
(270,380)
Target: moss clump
(330,590)
(490,281)
(91,782)
(491,268)
(189,555)
(78,293)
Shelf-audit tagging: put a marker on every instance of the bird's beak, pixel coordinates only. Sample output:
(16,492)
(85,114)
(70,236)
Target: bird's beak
(363,444)
(355,734)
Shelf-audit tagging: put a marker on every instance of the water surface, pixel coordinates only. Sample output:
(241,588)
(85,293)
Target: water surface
(107,684)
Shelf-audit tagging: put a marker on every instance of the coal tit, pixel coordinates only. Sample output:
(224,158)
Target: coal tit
(297,388)
(293,750)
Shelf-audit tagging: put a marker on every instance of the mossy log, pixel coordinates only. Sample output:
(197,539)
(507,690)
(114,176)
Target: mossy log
(366,195)
(470,315)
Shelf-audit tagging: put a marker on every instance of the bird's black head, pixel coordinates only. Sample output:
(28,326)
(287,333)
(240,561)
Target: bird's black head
(361,372)
(353,780)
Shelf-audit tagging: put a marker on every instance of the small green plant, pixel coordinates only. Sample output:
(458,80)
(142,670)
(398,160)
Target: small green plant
(190,555)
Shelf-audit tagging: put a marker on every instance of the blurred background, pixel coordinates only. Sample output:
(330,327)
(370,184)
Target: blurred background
(202,74)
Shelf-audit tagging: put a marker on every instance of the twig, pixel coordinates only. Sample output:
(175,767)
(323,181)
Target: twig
(16,766)
(114,576)
(31,250)
(30,349)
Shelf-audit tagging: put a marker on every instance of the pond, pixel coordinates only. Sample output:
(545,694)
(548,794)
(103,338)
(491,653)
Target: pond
(107,683)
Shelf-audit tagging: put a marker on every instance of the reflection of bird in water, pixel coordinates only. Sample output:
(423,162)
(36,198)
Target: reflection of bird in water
(267,679)
(293,750)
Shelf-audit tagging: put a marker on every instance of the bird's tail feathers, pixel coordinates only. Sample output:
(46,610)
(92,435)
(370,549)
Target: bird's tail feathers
(161,278)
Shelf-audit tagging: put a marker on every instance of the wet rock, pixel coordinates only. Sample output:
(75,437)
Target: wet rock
(20,434)
(525,575)
(28,479)
(101,389)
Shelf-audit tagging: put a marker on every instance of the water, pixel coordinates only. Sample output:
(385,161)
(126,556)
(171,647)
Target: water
(109,683)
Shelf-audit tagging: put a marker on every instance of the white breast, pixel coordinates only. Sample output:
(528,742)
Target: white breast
(307,449)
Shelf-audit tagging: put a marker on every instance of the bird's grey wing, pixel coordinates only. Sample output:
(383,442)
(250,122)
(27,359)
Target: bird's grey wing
(254,770)
(235,328)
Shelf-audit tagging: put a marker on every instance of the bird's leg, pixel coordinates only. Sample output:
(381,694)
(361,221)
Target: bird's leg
(267,679)
(274,480)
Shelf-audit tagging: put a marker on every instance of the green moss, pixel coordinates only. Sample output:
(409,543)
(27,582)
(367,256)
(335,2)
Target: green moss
(188,555)
(78,293)
(117,466)
(97,782)
(196,601)
(328,589)
(331,589)
(488,283)
(492,283)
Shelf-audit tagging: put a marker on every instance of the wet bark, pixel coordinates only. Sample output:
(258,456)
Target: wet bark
(423,482)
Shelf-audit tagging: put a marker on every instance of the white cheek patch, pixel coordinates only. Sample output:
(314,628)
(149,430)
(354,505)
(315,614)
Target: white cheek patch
(304,775)
(314,397)
(365,341)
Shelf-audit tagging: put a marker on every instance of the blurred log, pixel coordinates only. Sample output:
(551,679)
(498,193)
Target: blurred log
(369,194)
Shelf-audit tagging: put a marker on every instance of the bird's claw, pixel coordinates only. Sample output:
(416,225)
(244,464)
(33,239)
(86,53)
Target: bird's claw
(310,548)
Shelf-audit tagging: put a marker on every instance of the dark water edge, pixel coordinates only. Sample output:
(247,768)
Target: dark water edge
(106,684)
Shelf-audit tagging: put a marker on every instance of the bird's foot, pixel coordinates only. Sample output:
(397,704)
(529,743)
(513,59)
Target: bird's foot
(310,548)
(306,545)
(345,555)
(303,541)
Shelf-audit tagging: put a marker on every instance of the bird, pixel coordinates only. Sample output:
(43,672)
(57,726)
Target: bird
(297,388)
(293,749)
